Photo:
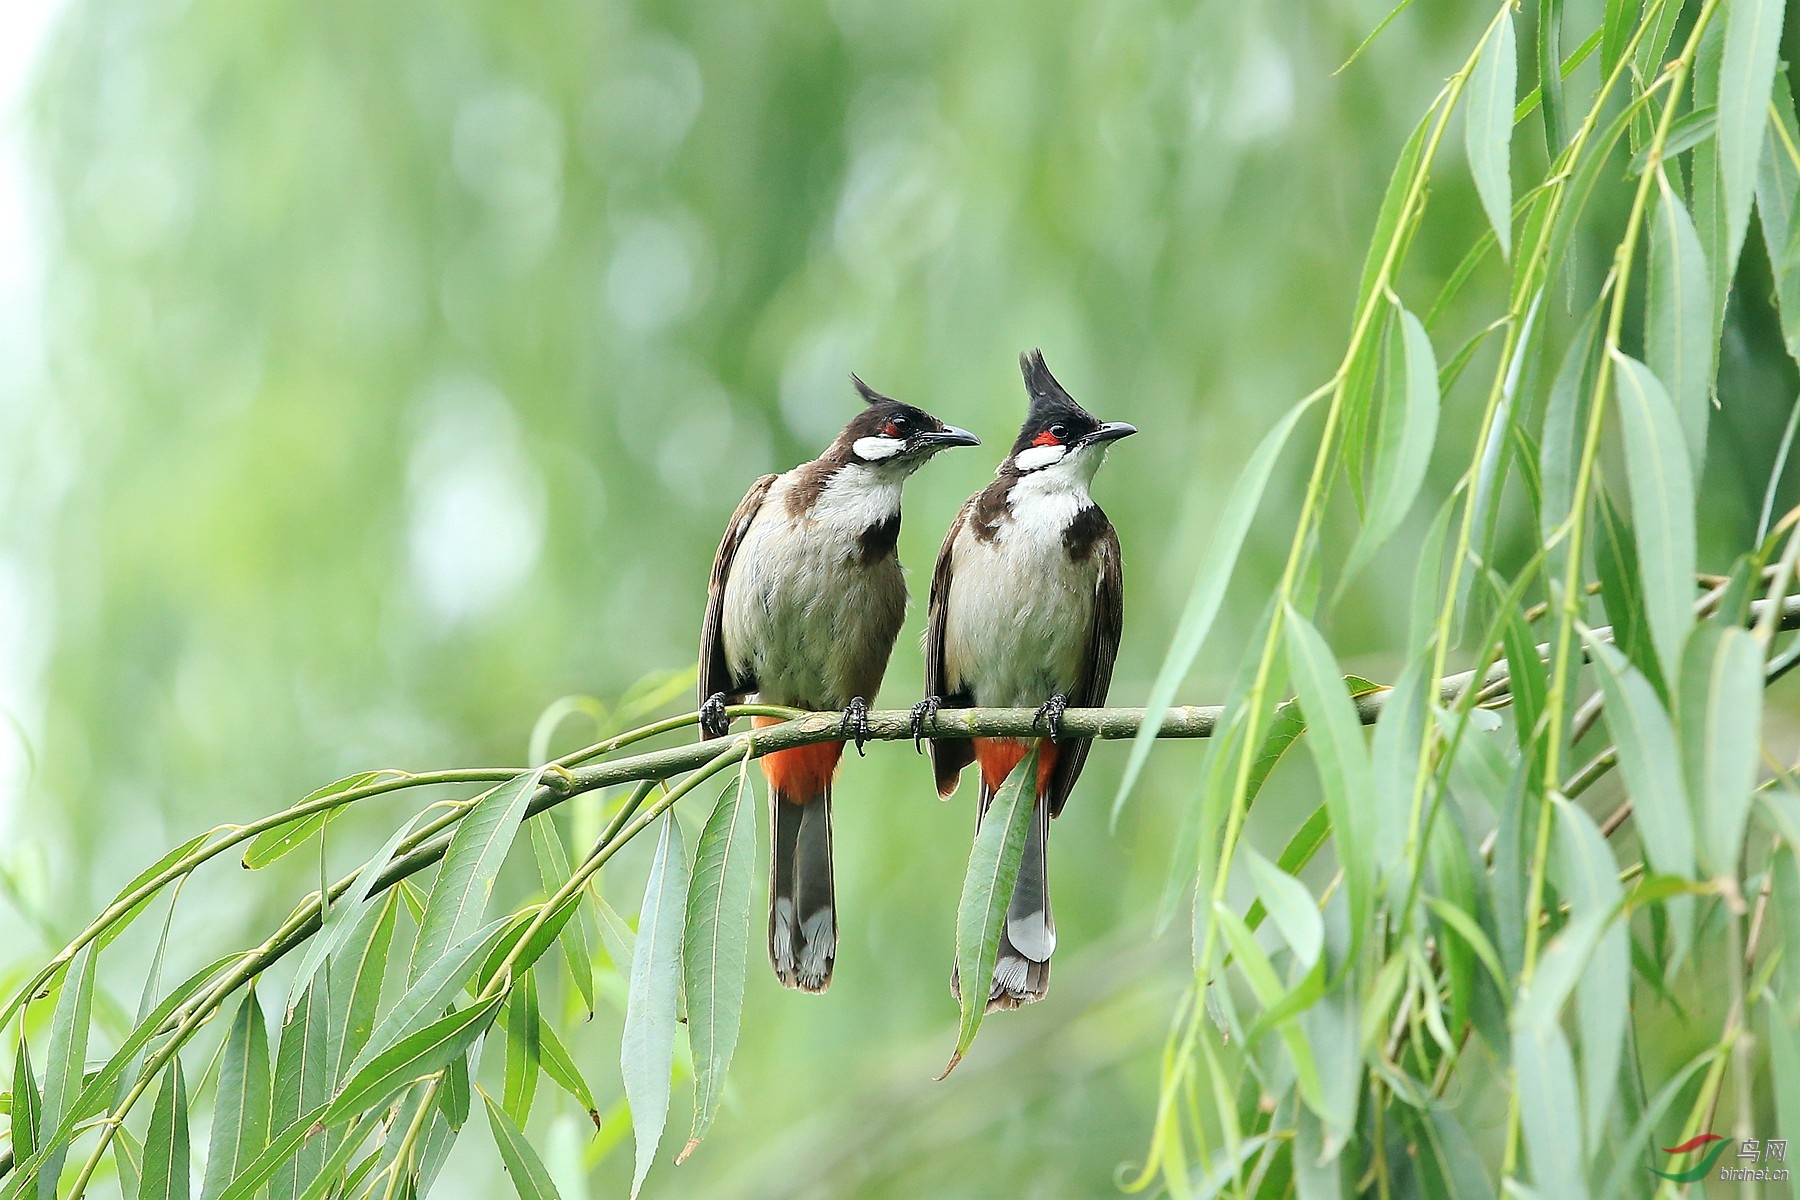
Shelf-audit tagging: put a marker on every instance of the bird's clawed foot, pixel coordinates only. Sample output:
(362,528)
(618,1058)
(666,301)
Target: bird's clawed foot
(856,721)
(924,711)
(1051,715)
(713,721)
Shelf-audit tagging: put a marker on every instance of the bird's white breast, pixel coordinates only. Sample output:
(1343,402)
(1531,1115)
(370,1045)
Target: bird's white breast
(1020,611)
(804,614)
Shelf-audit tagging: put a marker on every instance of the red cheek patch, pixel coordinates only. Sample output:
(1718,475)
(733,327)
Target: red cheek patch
(1046,438)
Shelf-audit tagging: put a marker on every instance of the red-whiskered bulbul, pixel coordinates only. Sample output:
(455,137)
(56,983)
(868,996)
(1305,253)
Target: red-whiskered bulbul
(1027,603)
(807,598)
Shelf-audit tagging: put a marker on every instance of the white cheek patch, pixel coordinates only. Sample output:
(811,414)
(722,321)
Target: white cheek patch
(874,449)
(1033,457)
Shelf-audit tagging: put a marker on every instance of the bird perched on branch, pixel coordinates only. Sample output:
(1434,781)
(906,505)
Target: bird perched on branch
(1026,608)
(807,597)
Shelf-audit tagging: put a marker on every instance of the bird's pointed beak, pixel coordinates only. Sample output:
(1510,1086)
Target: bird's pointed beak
(1112,431)
(949,435)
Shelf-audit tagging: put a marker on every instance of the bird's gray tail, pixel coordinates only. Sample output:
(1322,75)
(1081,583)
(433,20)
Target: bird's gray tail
(802,908)
(1022,966)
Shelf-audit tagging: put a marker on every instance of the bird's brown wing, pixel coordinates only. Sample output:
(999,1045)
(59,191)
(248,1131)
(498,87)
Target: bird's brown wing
(715,673)
(1103,649)
(951,755)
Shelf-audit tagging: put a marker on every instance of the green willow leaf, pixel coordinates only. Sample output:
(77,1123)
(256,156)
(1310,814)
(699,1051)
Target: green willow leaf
(553,869)
(1777,193)
(165,1175)
(343,916)
(524,1048)
(1746,75)
(459,895)
(413,1057)
(120,924)
(1621,592)
(1207,595)
(240,1128)
(1645,736)
(1403,444)
(433,992)
(1678,341)
(1393,202)
(273,844)
(530,1178)
(1587,877)
(1550,1112)
(1342,759)
(986,890)
(27,1108)
(1263,980)
(1721,725)
(715,950)
(1662,507)
(302,1083)
(560,1066)
(1493,87)
(359,969)
(647,1046)
(1565,415)
(1292,906)
(67,1061)
(1784,1061)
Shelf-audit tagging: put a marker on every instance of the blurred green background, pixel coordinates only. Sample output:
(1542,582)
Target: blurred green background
(389,371)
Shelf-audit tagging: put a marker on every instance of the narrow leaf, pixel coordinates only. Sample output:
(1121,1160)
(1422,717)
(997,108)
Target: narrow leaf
(302,1083)
(1678,337)
(553,869)
(433,991)
(1493,86)
(1404,442)
(1647,758)
(459,895)
(1721,724)
(1752,46)
(524,1048)
(1549,1114)
(240,1128)
(1292,906)
(1342,760)
(986,891)
(165,1175)
(1207,594)
(1587,876)
(67,1062)
(27,1106)
(716,949)
(272,844)
(1662,507)
(413,1057)
(647,1046)
(530,1178)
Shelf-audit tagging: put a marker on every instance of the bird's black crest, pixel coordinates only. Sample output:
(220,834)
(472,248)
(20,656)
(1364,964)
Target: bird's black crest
(1049,400)
(869,394)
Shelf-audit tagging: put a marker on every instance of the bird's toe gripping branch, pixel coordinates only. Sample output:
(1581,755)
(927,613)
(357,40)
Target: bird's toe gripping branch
(1051,715)
(713,721)
(855,724)
(925,711)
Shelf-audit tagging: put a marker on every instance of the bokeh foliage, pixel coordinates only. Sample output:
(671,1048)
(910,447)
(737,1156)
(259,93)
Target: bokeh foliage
(406,361)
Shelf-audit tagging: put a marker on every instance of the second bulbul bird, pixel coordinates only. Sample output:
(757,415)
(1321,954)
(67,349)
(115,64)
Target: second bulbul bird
(807,598)
(1026,608)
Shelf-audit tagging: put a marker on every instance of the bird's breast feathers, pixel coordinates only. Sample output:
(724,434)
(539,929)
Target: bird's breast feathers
(1020,609)
(808,611)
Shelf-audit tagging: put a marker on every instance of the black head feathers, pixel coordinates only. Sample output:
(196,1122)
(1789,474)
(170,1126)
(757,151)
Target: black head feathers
(1053,415)
(869,394)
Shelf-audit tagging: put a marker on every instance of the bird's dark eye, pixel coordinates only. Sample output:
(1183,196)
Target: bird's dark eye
(1059,431)
(896,427)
